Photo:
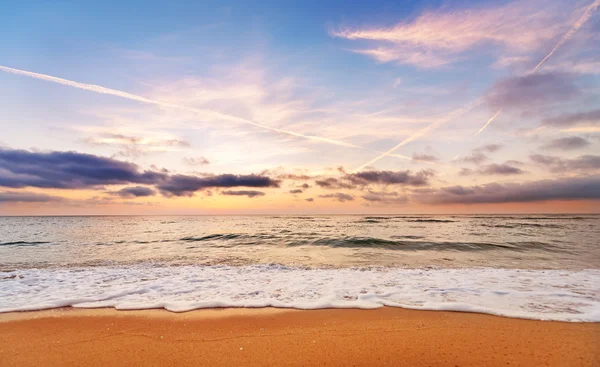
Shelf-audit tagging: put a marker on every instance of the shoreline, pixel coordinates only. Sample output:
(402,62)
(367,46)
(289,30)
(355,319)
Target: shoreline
(270,336)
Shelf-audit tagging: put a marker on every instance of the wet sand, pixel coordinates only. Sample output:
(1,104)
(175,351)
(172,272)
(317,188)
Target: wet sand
(387,336)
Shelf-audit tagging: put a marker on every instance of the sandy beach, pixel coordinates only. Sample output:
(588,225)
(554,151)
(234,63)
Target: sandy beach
(387,336)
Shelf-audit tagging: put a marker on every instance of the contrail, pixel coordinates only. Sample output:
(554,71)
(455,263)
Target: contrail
(587,14)
(118,93)
(489,121)
(578,24)
(451,116)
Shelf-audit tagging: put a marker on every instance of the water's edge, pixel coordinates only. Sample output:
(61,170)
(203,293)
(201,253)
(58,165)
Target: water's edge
(559,295)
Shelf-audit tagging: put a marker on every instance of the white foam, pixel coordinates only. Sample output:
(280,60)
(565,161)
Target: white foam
(533,294)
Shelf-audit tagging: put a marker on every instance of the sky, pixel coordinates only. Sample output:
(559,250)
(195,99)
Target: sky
(293,107)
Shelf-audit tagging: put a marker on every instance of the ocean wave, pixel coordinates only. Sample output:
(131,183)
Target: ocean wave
(23,243)
(396,242)
(431,221)
(518,225)
(534,294)
(371,242)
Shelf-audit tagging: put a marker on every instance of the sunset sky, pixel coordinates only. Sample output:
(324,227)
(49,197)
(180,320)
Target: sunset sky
(214,107)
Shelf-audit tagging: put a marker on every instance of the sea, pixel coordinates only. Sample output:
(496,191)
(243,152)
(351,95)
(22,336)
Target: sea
(543,267)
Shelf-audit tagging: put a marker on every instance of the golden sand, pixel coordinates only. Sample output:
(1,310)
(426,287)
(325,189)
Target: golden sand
(233,337)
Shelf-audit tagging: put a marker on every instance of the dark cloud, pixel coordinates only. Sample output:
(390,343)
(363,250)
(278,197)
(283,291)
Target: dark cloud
(26,197)
(334,183)
(557,164)
(424,157)
(195,161)
(68,170)
(523,92)
(304,186)
(588,118)
(339,196)
(295,191)
(405,178)
(585,188)
(504,169)
(567,143)
(248,193)
(310,199)
(184,185)
(134,192)
(72,170)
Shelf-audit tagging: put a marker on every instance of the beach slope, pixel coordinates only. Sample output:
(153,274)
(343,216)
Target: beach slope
(387,336)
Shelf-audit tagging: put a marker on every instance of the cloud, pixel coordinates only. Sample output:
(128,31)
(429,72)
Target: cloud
(567,143)
(26,197)
(339,196)
(248,193)
(134,192)
(504,169)
(134,146)
(582,118)
(310,199)
(295,191)
(385,198)
(585,188)
(557,164)
(184,185)
(72,170)
(478,155)
(304,186)
(68,170)
(490,148)
(524,92)
(334,183)
(438,37)
(195,161)
(405,178)
(203,113)
(423,157)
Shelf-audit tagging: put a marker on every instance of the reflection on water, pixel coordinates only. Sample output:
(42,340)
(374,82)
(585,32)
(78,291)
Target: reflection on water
(511,241)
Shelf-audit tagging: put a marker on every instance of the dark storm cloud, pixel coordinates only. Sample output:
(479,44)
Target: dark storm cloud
(424,157)
(590,117)
(405,178)
(68,170)
(248,193)
(567,143)
(504,169)
(560,189)
(184,185)
(556,164)
(72,170)
(339,196)
(134,191)
(26,197)
(521,92)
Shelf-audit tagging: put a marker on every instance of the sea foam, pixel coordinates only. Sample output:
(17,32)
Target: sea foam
(533,294)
